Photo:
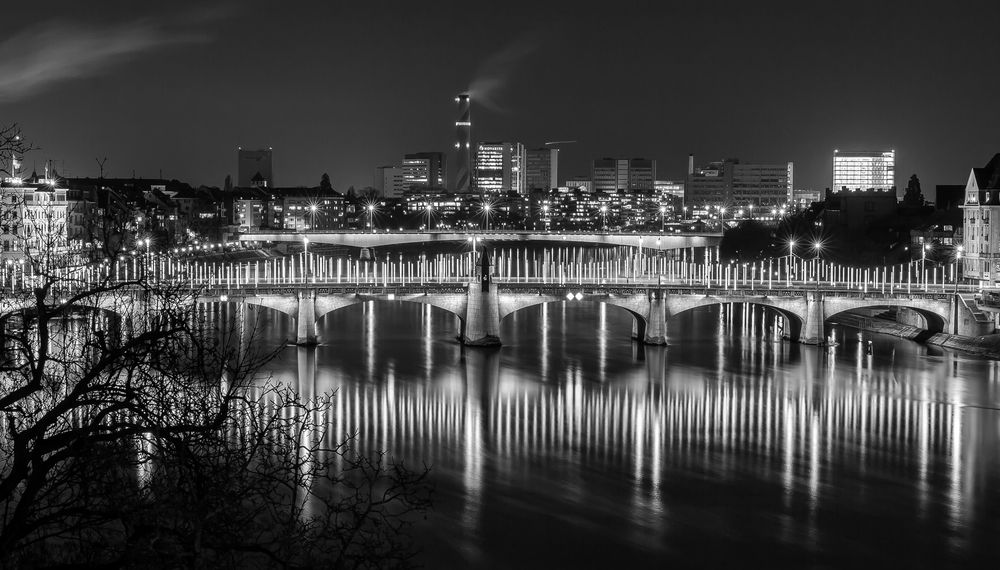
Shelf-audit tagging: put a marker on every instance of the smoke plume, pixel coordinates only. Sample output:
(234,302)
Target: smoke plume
(53,52)
(495,73)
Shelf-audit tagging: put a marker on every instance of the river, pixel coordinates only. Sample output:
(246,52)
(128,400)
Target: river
(573,446)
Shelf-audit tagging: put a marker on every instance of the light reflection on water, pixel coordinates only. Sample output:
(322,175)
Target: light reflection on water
(574,445)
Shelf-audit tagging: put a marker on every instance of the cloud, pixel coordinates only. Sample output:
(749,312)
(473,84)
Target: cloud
(495,73)
(44,55)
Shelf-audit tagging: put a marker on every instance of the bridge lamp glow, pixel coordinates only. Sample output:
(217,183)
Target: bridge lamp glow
(223,298)
(578,296)
(569,296)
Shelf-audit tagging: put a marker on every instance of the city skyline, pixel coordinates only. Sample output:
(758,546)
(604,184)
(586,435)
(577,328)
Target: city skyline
(197,84)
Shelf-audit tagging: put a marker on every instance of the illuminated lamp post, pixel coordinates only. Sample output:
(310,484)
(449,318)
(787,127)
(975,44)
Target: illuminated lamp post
(958,262)
(486,214)
(545,214)
(604,217)
(791,254)
(429,209)
(662,211)
(371,216)
(818,246)
(312,221)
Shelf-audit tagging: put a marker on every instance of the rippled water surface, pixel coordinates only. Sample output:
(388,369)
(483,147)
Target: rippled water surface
(572,445)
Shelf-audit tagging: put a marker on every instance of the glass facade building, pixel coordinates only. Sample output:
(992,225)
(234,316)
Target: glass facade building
(855,171)
(500,167)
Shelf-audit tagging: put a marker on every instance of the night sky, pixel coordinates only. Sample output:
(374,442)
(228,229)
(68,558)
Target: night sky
(176,87)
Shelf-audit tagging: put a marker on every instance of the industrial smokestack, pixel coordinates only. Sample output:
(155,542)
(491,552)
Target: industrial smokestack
(463,128)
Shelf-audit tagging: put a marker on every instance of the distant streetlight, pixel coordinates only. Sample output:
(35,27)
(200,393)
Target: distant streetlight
(662,211)
(545,215)
(604,217)
(312,211)
(371,216)
(429,209)
(958,264)
(486,214)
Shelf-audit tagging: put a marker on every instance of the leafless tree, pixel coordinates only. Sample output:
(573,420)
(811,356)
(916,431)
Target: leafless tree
(132,431)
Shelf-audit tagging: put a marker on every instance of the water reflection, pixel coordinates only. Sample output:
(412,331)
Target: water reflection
(571,435)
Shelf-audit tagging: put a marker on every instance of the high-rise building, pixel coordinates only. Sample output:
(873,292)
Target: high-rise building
(388,181)
(541,168)
(613,174)
(981,228)
(864,170)
(463,144)
(254,168)
(738,183)
(500,167)
(424,169)
(641,174)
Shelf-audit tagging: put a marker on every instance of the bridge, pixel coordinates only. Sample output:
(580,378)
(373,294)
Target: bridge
(804,293)
(654,240)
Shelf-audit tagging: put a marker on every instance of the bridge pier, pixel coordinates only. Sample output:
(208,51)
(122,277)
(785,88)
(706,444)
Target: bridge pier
(656,320)
(481,325)
(305,322)
(812,325)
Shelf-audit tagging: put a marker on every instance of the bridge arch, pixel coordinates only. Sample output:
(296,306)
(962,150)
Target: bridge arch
(792,310)
(929,320)
(636,305)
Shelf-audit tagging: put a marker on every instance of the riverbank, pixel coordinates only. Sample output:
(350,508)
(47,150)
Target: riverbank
(985,345)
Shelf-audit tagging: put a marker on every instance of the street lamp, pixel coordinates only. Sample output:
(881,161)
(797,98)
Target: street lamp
(791,255)
(486,212)
(818,246)
(305,254)
(312,221)
(662,211)
(430,209)
(958,264)
(923,262)
(371,216)
(751,211)
(545,214)
(722,217)
(604,217)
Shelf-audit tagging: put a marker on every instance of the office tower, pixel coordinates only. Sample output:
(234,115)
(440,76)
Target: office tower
(612,174)
(388,181)
(609,174)
(500,167)
(463,146)
(731,182)
(855,171)
(641,174)
(541,168)
(424,169)
(254,164)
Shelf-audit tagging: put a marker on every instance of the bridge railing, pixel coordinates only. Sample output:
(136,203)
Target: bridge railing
(550,266)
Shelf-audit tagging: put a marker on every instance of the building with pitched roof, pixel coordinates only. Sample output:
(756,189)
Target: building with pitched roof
(981,231)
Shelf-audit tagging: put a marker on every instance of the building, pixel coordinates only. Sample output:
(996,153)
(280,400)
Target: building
(36,216)
(389,181)
(463,144)
(424,170)
(981,226)
(612,174)
(582,182)
(253,164)
(500,167)
(804,197)
(541,166)
(641,174)
(857,171)
(735,183)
